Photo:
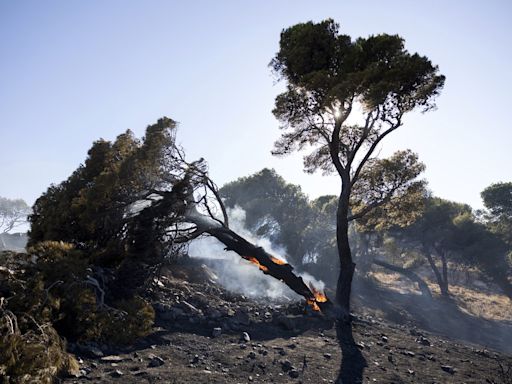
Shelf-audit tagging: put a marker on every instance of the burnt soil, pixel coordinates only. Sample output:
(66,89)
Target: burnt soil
(291,344)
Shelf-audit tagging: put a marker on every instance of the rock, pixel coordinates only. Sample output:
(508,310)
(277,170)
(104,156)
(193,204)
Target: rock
(216,332)
(251,355)
(230,312)
(423,341)
(112,358)
(327,355)
(116,373)
(293,373)
(156,361)
(286,365)
(384,339)
(245,336)
(449,369)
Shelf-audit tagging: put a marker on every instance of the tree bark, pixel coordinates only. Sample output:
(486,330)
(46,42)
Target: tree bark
(347,265)
(423,287)
(443,284)
(444,263)
(267,263)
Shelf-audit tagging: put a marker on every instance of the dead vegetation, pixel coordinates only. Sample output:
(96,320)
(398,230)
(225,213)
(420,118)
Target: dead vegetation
(52,293)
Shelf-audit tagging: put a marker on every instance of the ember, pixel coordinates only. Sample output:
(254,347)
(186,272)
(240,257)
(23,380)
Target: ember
(255,261)
(278,261)
(319,298)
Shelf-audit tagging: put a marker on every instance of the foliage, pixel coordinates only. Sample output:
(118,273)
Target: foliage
(53,292)
(274,208)
(497,199)
(13,213)
(90,208)
(328,76)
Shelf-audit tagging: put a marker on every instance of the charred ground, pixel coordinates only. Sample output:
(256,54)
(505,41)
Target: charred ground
(205,334)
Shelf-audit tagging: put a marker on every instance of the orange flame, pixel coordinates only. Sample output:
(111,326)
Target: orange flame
(277,261)
(255,261)
(319,298)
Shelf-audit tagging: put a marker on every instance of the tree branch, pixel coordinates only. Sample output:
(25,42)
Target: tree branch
(355,177)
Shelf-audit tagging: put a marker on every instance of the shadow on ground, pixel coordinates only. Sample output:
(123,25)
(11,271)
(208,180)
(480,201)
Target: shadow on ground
(353,362)
(437,315)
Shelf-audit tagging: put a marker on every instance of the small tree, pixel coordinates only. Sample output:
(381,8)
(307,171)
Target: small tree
(328,77)
(13,213)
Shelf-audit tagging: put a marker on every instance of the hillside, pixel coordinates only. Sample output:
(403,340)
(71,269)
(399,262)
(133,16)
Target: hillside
(205,334)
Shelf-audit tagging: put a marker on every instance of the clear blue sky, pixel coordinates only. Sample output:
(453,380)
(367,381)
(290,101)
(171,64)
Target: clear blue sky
(74,71)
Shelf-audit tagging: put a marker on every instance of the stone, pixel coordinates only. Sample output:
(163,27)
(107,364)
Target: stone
(245,336)
(112,358)
(286,365)
(117,373)
(448,368)
(216,332)
(156,361)
(327,355)
(293,373)
(423,341)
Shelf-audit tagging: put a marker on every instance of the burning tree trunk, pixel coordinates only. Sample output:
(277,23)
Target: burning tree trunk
(270,265)
(177,210)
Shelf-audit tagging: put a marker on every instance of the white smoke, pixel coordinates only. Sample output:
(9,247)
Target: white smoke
(239,275)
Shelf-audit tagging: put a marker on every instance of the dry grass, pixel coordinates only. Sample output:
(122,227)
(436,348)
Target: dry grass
(481,303)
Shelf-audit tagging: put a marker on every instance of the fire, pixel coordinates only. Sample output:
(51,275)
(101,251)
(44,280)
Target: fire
(319,298)
(255,261)
(277,261)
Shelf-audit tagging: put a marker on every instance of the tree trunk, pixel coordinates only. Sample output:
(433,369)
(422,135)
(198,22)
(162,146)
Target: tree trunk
(443,284)
(268,264)
(423,287)
(444,263)
(347,266)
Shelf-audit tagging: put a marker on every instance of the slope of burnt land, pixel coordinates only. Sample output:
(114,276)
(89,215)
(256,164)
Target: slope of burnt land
(205,334)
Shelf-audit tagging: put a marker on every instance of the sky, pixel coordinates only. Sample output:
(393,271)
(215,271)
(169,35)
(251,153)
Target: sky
(72,72)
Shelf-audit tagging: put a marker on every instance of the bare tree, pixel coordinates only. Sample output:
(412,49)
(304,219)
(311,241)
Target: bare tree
(13,213)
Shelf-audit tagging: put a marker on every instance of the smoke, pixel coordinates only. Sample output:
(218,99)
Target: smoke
(239,275)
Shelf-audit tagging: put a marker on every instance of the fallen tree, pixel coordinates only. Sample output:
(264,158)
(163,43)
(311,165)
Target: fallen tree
(135,203)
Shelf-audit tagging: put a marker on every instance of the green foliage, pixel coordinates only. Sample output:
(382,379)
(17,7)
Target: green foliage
(89,209)
(274,208)
(333,68)
(498,199)
(328,76)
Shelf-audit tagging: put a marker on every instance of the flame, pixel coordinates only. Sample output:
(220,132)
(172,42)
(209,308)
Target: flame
(319,297)
(278,261)
(255,261)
